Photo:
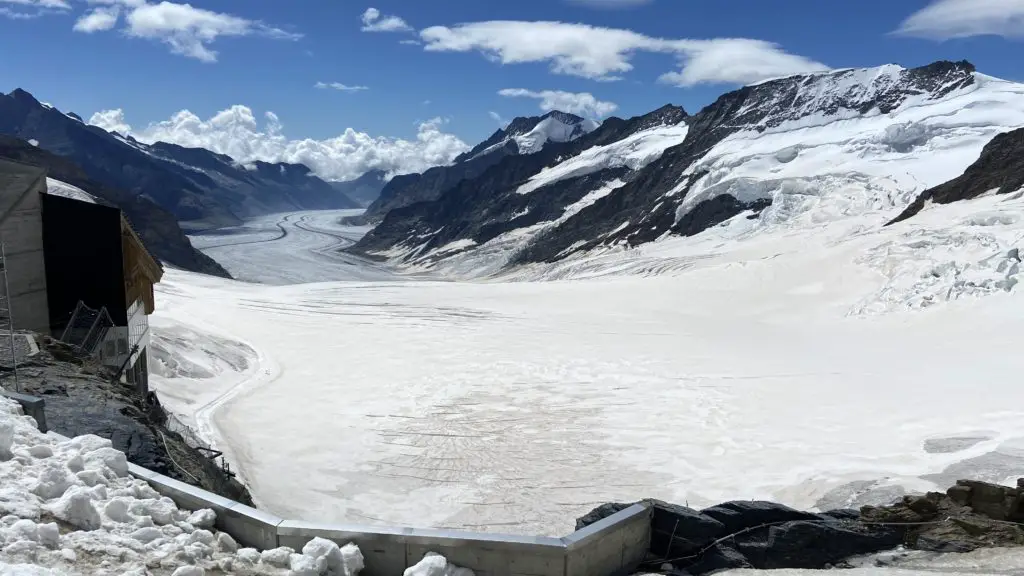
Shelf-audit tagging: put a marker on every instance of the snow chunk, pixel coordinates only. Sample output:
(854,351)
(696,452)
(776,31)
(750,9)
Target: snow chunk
(204,518)
(333,559)
(436,565)
(278,556)
(76,508)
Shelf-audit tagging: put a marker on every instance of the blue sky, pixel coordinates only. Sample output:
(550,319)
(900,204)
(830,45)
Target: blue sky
(445,63)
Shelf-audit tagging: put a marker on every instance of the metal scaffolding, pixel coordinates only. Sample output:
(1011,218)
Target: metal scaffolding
(7,319)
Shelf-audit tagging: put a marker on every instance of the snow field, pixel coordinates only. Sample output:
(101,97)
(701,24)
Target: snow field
(696,370)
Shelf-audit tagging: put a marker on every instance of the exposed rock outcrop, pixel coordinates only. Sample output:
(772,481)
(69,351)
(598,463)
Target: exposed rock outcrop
(999,170)
(766,535)
(82,399)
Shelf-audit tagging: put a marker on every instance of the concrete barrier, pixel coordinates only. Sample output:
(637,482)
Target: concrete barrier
(33,406)
(614,546)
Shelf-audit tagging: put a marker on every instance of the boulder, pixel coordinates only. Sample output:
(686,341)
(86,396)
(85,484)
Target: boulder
(816,544)
(678,531)
(740,515)
(601,512)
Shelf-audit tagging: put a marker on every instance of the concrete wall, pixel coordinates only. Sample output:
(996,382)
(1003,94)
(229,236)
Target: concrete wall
(22,235)
(612,547)
(33,406)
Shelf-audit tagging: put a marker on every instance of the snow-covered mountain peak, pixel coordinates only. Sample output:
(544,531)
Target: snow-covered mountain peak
(528,135)
(555,127)
(845,93)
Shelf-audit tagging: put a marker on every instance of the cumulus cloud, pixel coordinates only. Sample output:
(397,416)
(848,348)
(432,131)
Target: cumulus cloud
(187,30)
(581,103)
(237,133)
(944,19)
(98,19)
(29,9)
(340,87)
(602,53)
(111,121)
(373,21)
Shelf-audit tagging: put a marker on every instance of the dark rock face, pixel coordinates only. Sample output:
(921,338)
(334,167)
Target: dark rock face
(157,227)
(736,516)
(195,185)
(767,536)
(646,207)
(643,203)
(1000,167)
(481,207)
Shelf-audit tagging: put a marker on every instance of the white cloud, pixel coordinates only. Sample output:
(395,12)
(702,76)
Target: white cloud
(611,4)
(735,61)
(502,121)
(29,9)
(943,19)
(187,30)
(605,53)
(98,19)
(111,121)
(373,21)
(237,133)
(340,87)
(581,103)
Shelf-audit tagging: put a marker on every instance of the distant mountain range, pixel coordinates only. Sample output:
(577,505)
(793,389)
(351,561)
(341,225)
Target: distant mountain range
(199,188)
(812,148)
(364,189)
(156,226)
(522,137)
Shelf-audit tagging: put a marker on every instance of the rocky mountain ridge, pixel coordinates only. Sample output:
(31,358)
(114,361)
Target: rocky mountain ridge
(524,135)
(794,135)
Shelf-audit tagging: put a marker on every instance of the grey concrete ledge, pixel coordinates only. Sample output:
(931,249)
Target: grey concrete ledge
(641,512)
(33,406)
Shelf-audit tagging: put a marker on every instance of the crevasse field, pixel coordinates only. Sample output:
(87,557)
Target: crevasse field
(809,355)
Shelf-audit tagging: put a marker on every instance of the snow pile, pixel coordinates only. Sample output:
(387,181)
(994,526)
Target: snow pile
(70,507)
(821,167)
(436,565)
(634,152)
(63,189)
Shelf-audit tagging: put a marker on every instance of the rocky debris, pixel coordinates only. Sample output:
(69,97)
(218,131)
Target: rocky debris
(764,535)
(1000,168)
(81,398)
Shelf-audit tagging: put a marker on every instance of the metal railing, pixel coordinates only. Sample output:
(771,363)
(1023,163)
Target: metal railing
(87,329)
